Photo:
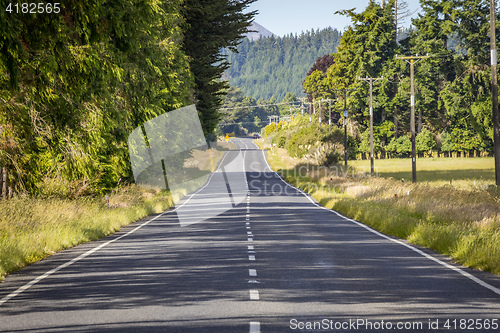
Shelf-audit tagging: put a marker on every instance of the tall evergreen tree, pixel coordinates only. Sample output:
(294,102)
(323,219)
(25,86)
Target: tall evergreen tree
(210,26)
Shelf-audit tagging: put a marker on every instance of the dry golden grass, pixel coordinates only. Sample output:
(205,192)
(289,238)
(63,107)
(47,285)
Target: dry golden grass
(34,228)
(460,221)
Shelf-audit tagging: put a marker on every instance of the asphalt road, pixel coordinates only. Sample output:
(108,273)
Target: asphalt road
(274,261)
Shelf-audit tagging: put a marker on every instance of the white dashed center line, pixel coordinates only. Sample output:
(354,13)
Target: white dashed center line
(254,327)
(254,295)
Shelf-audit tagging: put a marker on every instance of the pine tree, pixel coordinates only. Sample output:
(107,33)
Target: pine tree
(210,26)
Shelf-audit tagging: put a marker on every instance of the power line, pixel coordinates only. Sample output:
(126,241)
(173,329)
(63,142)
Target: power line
(258,106)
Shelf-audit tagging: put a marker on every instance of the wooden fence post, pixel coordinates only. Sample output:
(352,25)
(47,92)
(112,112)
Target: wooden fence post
(1,181)
(4,182)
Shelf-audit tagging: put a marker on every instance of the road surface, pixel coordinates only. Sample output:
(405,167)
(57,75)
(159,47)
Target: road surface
(275,262)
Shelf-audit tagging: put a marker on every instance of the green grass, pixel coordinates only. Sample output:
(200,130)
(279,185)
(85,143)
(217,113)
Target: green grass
(34,228)
(462,172)
(461,220)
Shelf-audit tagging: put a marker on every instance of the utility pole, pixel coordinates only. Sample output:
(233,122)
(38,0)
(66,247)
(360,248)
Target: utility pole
(396,21)
(329,116)
(371,80)
(412,60)
(346,114)
(319,112)
(494,92)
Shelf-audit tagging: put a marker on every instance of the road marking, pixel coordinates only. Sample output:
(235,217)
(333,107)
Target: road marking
(97,248)
(252,272)
(254,295)
(72,261)
(248,223)
(252,258)
(250,247)
(250,239)
(254,327)
(248,227)
(428,256)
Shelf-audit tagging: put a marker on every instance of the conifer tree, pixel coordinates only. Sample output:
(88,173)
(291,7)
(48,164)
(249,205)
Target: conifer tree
(210,26)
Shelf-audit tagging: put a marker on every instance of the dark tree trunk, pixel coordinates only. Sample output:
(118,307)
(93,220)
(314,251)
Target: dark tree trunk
(4,182)
(396,123)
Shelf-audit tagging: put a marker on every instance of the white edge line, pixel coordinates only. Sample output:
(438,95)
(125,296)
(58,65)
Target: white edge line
(72,261)
(428,256)
(97,248)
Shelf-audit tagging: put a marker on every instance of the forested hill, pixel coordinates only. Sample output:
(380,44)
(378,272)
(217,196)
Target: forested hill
(273,66)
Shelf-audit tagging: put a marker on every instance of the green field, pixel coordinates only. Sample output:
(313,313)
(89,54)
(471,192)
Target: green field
(462,172)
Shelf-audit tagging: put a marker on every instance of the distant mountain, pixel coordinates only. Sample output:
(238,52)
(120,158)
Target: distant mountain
(258,31)
(272,66)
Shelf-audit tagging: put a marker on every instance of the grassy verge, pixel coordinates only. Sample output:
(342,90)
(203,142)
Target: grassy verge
(34,228)
(462,221)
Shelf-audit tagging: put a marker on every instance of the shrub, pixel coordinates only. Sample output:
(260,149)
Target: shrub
(269,129)
(303,140)
(400,147)
(446,142)
(279,140)
(424,141)
(325,154)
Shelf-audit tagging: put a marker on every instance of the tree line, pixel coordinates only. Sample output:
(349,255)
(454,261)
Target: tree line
(243,114)
(453,86)
(273,66)
(74,84)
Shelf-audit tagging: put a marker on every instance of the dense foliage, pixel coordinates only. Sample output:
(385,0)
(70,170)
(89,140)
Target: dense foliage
(273,66)
(309,140)
(73,85)
(453,96)
(243,114)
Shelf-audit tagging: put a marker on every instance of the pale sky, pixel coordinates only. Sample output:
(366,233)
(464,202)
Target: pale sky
(282,17)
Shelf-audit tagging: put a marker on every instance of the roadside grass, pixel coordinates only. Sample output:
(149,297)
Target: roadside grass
(34,228)
(459,220)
